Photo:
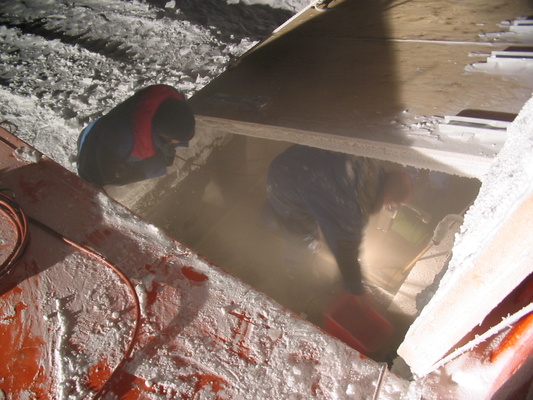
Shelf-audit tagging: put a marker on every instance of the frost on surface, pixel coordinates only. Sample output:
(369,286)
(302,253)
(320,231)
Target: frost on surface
(64,64)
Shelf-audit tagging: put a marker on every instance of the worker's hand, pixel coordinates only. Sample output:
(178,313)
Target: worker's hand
(169,153)
(354,287)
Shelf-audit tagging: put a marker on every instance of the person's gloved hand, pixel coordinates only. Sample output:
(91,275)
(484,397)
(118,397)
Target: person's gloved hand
(169,153)
(346,254)
(354,287)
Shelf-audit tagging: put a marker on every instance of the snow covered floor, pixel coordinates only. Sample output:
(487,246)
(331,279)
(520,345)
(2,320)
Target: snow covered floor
(64,63)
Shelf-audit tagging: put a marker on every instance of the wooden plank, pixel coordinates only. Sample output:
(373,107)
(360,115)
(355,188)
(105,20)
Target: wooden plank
(369,72)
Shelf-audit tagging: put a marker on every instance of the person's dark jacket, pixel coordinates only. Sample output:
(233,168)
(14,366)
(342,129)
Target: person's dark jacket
(339,191)
(120,147)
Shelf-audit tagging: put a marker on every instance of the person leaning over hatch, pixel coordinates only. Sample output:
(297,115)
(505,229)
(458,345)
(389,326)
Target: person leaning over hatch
(308,188)
(136,140)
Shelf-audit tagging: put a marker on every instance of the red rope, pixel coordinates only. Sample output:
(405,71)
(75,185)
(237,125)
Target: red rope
(10,209)
(17,218)
(106,386)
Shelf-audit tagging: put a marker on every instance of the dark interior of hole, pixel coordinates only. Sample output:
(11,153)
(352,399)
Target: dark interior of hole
(216,211)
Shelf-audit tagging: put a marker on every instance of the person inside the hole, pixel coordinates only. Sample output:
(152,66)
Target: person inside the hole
(310,188)
(137,139)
